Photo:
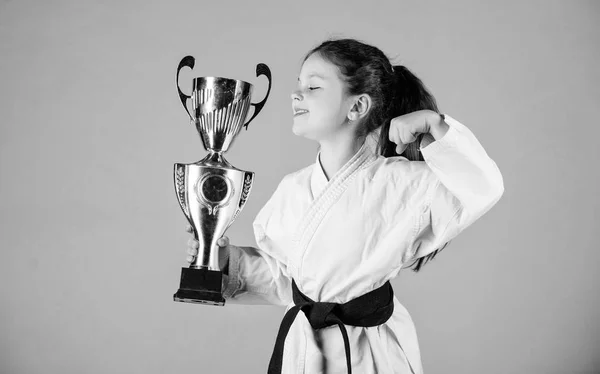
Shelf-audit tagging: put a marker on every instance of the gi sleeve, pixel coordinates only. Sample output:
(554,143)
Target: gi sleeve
(259,275)
(464,184)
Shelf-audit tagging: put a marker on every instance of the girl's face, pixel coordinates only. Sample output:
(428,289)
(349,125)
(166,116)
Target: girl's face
(320,103)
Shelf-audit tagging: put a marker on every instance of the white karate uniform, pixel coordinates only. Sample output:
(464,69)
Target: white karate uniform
(342,238)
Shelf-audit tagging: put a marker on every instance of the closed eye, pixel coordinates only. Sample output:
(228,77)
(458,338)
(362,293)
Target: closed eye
(313,88)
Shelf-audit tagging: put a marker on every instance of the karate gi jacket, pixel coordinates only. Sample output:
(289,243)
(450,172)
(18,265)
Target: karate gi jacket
(343,237)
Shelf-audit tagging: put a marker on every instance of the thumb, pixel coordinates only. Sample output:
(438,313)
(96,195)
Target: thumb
(401,148)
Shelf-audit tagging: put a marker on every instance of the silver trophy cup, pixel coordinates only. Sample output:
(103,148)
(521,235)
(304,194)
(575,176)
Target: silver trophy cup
(212,192)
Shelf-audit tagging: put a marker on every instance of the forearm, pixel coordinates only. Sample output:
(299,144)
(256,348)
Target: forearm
(255,278)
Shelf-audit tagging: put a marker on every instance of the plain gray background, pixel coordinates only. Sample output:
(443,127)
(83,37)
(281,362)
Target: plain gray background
(93,240)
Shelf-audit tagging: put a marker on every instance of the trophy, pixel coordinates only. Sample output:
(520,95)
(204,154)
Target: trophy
(212,192)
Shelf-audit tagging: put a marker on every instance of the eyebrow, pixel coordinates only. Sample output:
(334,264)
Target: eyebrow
(315,75)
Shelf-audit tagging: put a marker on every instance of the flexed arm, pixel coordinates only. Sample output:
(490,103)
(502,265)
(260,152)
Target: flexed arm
(462,185)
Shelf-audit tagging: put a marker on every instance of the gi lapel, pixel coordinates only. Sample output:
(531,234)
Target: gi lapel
(318,180)
(324,200)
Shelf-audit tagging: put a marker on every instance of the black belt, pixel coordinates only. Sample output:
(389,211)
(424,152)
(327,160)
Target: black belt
(368,310)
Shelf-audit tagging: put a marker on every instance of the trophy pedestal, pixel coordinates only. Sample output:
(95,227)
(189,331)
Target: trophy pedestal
(200,286)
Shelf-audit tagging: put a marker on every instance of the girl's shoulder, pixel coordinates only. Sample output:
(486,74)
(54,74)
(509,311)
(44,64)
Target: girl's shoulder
(399,168)
(296,179)
(299,176)
(410,183)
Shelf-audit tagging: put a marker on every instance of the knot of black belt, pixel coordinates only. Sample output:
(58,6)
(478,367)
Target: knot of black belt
(368,310)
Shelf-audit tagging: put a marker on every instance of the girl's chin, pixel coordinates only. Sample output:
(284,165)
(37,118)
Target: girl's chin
(299,129)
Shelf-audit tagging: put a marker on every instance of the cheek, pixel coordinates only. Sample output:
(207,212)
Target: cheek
(326,114)
(329,109)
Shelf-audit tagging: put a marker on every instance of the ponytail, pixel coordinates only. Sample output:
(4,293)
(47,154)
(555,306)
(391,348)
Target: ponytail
(409,95)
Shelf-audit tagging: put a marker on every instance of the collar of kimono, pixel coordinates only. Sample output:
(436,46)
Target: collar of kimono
(326,193)
(318,179)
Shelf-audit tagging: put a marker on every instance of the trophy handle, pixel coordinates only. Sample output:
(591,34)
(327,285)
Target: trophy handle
(248,179)
(179,175)
(261,69)
(189,62)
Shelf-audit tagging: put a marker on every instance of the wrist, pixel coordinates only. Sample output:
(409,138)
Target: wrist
(224,260)
(437,126)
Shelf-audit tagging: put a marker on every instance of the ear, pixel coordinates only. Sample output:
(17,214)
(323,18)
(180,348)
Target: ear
(360,108)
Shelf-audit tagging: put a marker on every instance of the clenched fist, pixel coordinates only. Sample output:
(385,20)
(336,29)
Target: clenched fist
(223,244)
(405,128)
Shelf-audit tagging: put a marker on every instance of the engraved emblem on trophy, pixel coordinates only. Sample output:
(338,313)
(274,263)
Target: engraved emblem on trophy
(212,192)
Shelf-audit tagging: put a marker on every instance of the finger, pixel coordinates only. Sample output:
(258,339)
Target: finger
(394,136)
(192,251)
(400,148)
(407,136)
(190,259)
(193,243)
(393,133)
(188,228)
(223,241)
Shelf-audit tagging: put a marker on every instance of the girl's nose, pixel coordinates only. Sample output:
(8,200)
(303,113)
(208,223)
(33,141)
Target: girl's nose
(296,95)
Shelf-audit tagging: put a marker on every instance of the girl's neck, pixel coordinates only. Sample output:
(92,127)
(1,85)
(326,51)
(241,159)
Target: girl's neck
(334,155)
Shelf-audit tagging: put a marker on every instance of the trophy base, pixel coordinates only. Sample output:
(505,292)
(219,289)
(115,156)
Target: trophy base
(200,286)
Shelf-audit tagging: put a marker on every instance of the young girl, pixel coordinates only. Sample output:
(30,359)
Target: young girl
(334,233)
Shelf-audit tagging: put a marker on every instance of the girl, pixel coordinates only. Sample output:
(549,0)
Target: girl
(334,233)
